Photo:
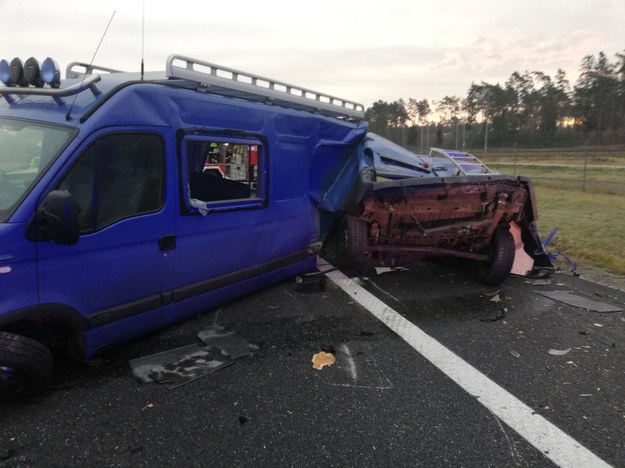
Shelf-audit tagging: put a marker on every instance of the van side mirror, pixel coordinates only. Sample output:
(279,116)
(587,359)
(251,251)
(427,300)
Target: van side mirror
(56,219)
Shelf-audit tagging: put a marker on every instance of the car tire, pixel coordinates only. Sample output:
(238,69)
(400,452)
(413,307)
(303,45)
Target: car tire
(351,243)
(502,251)
(25,366)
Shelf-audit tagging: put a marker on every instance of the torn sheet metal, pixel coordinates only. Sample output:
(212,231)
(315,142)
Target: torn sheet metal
(579,301)
(182,365)
(188,361)
(229,342)
(190,367)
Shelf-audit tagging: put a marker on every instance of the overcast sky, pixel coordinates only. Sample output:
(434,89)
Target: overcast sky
(360,50)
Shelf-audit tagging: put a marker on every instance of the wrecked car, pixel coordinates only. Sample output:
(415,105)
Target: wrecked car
(130,201)
(404,207)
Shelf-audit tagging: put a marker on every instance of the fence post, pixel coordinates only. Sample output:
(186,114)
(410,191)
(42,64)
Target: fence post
(515,148)
(585,167)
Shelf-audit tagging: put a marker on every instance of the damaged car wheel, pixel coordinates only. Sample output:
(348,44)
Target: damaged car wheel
(502,251)
(25,365)
(351,243)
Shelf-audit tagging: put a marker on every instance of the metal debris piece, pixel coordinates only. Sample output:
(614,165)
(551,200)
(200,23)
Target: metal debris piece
(191,367)
(178,365)
(182,365)
(322,359)
(540,282)
(578,301)
(559,352)
(382,270)
(229,342)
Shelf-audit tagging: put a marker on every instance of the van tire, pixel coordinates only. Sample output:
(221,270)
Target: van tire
(502,251)
(25,365)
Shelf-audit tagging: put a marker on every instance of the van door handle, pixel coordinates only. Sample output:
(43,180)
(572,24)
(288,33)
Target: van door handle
(167,242)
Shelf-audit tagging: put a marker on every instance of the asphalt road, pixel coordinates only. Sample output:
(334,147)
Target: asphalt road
(381,404)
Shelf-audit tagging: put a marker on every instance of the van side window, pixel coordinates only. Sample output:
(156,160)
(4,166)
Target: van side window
(220,170)
(118,176)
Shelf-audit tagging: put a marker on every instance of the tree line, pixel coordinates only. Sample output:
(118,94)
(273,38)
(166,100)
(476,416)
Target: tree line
(531,109)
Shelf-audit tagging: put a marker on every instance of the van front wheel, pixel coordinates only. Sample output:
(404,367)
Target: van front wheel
(25,365)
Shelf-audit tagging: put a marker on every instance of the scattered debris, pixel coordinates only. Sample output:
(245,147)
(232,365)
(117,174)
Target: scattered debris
(312,281)
(515,354)
(540,282)
(598,325)
(492,293)
(495,298)
(559,352)
(322,359)
(500,315)
(382,270)
(179,366)
(578,301)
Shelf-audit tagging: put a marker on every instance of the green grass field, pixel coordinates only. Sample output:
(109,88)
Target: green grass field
(591,226)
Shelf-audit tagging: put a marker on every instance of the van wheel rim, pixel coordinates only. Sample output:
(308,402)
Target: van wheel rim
(10,378)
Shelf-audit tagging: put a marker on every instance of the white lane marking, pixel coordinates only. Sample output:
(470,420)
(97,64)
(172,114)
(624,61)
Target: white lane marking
(555,444)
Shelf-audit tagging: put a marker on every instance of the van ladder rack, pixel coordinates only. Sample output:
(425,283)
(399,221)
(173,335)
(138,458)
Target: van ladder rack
(465,162)
(56,93)
(233,83)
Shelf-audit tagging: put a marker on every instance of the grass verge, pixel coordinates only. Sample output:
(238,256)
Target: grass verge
(591,226)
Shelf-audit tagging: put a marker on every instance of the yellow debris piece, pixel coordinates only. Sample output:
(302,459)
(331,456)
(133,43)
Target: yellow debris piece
(322,359)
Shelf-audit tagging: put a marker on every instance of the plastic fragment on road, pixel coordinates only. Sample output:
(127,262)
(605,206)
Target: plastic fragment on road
(495,298)
(559,352)
(515,354)
(322,359)
(579,301)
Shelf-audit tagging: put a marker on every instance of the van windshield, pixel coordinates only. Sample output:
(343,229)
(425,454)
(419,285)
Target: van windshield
(26,149)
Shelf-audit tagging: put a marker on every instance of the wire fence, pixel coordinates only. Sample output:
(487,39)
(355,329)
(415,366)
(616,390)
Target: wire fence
(600,172)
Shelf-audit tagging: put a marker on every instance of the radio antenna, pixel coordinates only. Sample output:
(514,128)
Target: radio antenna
(142,38)
(68,115)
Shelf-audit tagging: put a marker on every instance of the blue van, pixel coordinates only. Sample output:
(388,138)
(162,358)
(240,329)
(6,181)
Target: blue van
(131,201)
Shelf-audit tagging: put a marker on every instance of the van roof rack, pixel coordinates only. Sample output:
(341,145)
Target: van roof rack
(234,83)
(87,69)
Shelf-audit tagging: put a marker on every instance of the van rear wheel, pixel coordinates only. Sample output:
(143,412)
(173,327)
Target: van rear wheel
(25,365)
